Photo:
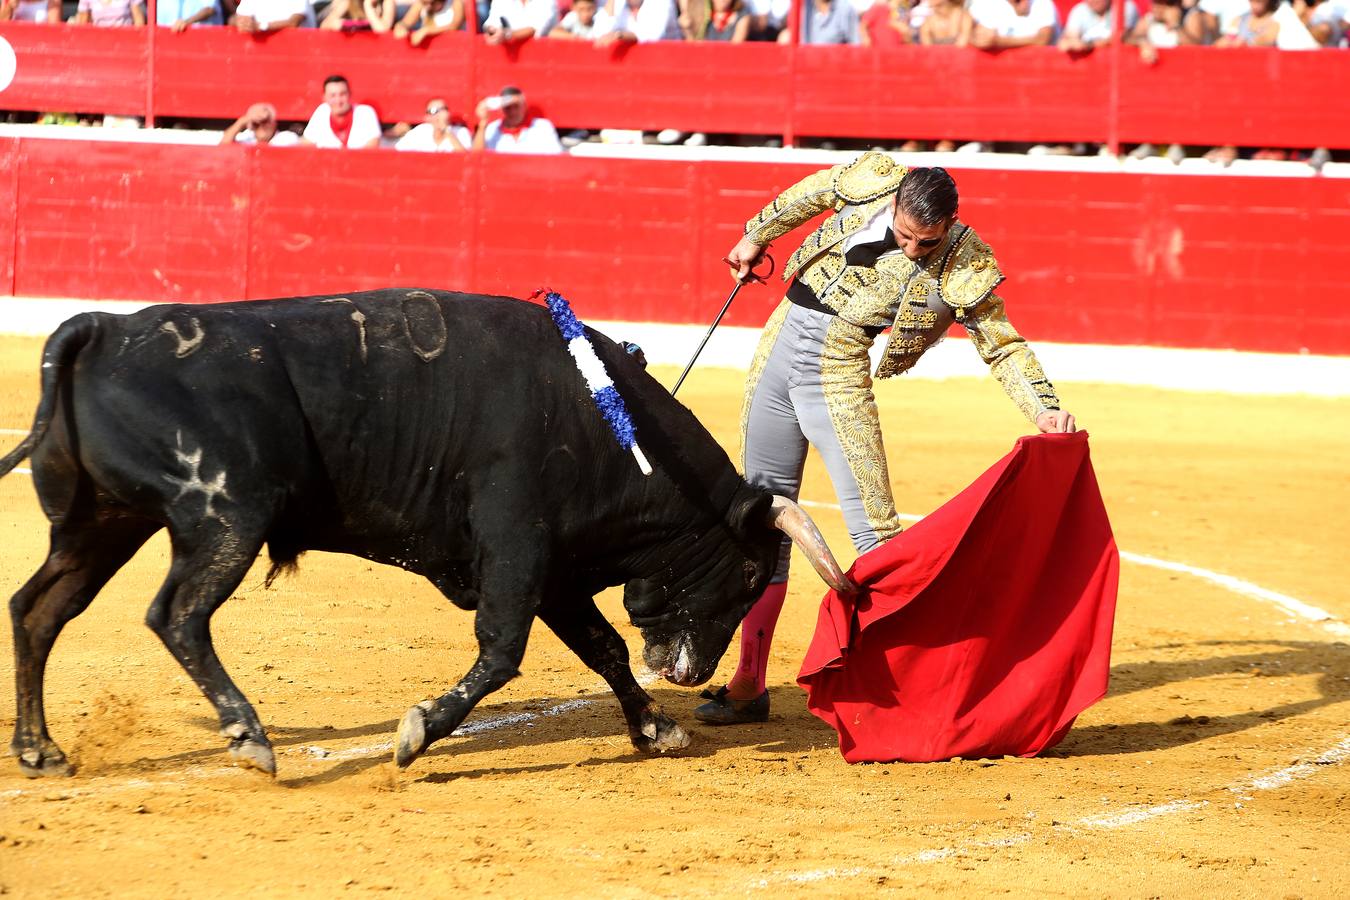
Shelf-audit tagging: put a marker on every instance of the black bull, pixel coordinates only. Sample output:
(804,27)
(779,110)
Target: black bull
(448,434)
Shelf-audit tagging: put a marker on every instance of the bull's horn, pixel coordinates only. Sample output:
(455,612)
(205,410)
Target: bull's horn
(793,521)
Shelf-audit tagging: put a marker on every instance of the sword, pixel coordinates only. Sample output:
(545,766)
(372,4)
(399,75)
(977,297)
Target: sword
(752,278)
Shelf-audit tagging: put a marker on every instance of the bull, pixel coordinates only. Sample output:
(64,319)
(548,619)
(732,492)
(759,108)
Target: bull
(448,434)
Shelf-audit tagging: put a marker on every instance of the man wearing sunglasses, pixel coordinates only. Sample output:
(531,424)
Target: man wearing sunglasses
(436,134)
(892,255)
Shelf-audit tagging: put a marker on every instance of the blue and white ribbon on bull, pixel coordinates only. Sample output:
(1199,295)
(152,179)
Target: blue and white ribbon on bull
(606,396)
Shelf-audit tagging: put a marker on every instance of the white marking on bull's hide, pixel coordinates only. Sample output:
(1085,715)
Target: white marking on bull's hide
(360,319)
(186,345)
(215,488)
(428,334)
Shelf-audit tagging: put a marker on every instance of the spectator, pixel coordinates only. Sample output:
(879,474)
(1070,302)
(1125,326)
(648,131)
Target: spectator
(827,22)
(258,16)
(48,11)
(1092,22)
(767,18)
(886,24)
(513,21)
(258,125)
(427,18)
(1159,27)
(359,15)
(947,22)
(514,131)
(728,22)
(338,123)
(1210,19)
(1326,21)
(585,21)
(181,15)
(1268,23)
(106,13)
(1013,23)
(437,134)
(641,21)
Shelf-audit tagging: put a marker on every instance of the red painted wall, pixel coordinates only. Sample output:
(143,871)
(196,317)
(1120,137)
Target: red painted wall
(1220,261)
(1195,95)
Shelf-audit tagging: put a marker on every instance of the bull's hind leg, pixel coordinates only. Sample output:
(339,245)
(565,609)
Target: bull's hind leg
(209,562)
(593,639)
(79,564)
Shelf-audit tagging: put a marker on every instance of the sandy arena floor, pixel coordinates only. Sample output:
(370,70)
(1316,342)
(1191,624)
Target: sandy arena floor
(1218,766)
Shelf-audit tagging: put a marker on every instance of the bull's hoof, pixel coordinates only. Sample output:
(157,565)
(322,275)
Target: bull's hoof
(659,733)
(412,734)
(251,754)
(37,764)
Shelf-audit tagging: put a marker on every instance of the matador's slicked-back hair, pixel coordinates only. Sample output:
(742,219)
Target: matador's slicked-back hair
(928,195)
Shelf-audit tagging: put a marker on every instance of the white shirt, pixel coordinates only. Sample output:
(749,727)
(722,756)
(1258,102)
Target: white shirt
(655,20)
(31,11)
(1000,16)
(538,137)
(423,138)
(775,11)
(537,14)
(283,138)
(1334,13)
(601,23)
(365,127)
(268,12)
(1226,11)
(1293,35)
(1094,29)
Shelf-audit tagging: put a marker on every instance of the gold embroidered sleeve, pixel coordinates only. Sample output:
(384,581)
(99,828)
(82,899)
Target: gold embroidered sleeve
(800,203)
(1010,360)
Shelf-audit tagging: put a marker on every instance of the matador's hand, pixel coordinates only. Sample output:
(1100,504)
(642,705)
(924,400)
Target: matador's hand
(1056,421)
(743,257)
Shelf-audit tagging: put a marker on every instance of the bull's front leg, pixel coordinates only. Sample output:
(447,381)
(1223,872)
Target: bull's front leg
(588,634)
(509,600)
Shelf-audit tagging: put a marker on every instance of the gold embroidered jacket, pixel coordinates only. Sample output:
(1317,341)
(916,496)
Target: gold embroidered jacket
(919,301)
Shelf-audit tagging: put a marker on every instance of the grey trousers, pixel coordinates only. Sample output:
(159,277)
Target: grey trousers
(787,408)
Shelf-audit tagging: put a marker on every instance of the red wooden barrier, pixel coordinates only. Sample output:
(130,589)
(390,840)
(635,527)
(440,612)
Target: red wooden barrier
(1220,261)
(1197,95)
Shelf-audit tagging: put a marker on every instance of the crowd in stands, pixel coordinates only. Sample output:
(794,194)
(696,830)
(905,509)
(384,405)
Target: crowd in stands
(503,122)
(990,24)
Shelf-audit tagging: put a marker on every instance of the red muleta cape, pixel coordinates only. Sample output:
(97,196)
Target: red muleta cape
(985,628)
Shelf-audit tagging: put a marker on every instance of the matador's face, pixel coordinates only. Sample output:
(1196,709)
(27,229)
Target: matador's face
(917,240)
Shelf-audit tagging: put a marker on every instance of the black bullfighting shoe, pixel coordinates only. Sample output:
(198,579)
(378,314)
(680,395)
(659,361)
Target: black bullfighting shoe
(722,710)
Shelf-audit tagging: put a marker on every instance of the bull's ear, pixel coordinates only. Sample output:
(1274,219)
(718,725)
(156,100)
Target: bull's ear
(750,511)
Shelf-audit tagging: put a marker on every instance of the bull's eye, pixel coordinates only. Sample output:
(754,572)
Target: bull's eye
(751,574)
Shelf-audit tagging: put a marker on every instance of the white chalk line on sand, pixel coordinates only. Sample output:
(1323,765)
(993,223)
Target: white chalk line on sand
(1338,753)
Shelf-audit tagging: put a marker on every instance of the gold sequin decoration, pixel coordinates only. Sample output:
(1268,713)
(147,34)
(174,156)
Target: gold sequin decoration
(847,387)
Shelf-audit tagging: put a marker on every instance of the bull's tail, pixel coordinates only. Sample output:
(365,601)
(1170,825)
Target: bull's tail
(61,350)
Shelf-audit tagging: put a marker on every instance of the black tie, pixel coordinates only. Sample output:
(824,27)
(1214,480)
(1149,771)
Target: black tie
(866,254)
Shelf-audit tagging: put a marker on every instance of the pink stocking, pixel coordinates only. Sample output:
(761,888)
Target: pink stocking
(756,638)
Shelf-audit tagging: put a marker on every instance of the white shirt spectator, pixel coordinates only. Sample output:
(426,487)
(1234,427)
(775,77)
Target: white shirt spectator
(1227,12)
(601,23)
(1092,28)
(1000,16)
(1294,35)
(267,12)
(535,136)
(31,11)
(655,20)
(1335,13)
(365,127)
(775,11)
(423,138)
(168,12)
(537,14)
(282,138)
